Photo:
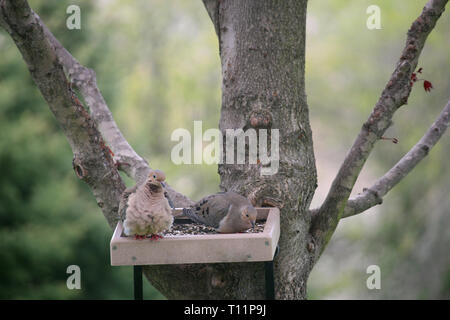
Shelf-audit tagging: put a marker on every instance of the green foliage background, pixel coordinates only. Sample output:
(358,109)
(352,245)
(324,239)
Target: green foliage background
(158,68)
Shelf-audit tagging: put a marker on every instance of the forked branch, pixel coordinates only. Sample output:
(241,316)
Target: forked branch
(21,22)
(125,156)
(92,161)
(394,95)
(84,79)
(374,195)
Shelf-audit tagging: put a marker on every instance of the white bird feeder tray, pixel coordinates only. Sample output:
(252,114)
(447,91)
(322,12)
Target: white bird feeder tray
(202,248)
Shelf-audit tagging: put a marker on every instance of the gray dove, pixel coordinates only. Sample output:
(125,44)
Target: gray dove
(145,208)
(228,212)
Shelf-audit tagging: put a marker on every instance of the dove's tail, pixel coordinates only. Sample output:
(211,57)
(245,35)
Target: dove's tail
(166,194)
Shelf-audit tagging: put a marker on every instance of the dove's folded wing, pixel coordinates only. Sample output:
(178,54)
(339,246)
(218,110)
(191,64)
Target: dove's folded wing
(123,204)
(210,210)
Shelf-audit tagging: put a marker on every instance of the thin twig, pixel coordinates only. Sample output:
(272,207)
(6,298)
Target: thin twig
(374,195)
(394,95)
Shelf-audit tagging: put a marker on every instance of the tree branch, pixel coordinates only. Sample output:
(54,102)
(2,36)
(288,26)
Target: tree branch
(85,80)
(92,161)
(212,7)
(374,195)
(394,95)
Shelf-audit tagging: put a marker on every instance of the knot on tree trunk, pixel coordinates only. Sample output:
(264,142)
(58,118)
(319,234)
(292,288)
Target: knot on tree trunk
(260,119)
(266,196)
(79,169)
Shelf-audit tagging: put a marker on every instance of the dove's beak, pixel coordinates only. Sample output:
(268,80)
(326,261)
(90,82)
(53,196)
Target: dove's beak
(163,184)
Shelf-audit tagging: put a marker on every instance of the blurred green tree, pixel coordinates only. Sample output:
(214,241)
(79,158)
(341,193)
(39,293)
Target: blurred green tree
(48,219)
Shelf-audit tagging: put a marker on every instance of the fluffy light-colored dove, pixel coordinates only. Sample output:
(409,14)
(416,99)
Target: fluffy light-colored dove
(228,212)
(145,208)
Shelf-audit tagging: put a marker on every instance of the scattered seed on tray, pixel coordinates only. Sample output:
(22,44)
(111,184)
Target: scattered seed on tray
(198,229)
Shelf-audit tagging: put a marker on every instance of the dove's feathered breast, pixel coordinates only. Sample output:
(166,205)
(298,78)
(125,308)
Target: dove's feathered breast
(147,211)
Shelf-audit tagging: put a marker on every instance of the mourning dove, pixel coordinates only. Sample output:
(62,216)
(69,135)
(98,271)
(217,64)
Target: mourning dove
(228,212)
(145,208)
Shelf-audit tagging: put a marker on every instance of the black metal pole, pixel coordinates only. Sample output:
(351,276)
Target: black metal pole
(268,270)
(270,286)
(137,275)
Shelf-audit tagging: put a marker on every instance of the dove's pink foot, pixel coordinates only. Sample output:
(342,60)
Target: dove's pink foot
(155,237)
(139,237)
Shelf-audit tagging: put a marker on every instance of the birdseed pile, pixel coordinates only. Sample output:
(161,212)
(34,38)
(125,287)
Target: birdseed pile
(181,229)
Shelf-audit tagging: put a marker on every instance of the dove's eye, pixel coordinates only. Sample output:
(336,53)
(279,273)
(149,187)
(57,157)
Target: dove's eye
(246,215)
(154,176)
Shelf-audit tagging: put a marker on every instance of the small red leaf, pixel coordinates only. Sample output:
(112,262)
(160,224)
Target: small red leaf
(110,151)
(413,77)
(427,85)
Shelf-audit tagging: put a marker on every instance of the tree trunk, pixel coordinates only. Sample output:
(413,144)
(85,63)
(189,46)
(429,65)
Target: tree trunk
(262,51)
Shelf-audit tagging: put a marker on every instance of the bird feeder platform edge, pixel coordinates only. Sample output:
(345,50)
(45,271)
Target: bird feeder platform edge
(204,248)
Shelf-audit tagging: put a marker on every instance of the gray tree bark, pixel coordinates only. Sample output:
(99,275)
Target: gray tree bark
(262,51)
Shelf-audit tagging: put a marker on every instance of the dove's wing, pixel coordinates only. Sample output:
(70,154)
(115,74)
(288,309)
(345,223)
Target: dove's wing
(210,210)
(123,204)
